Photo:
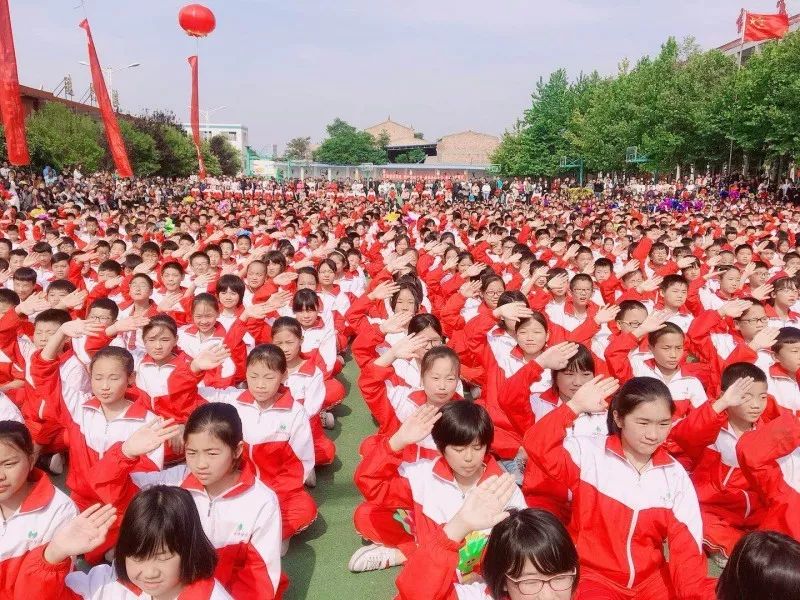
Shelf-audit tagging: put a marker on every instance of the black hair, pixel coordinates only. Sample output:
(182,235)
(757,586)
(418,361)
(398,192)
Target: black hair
(309,271)
(270,355)
(529,535)
(786,335)
(105,304)
(161,321)
(671,280)
(581,361)
(412,287)
(111,266)
(289,323)
(53,315)
(62,285)
(143,277)
(165,518)
(207,299)
(739,370)
(581,277)
(665,329)
(634,392)
(437,352)
(25,274)
(422,321)
(305,299)
(536,316)
(173,265)
(116,353)
(16,434)
(763,564)
(220,420)
(8,296)
(460,424)
(233,283)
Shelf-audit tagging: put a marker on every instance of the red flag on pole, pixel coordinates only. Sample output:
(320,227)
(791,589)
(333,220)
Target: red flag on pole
(10,101)
(195,117)
(115,143)
(764,27)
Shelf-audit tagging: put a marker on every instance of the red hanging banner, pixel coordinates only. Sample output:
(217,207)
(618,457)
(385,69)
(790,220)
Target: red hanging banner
(10,100)
(115,143)
(195,117)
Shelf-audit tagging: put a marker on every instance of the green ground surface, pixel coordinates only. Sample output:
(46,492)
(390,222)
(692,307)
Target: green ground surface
(317,559)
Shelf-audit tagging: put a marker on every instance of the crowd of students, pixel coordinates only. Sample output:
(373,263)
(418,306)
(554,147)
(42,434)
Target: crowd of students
(572,399)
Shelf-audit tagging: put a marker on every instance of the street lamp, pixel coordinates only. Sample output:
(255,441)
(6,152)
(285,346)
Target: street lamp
(110,70)
(207,113)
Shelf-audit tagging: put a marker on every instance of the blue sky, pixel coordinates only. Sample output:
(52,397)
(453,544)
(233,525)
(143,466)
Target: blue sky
(286,69)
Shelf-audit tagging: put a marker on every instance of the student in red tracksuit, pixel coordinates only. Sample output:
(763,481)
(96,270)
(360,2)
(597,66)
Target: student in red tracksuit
(318,335)
(571,366)
(629,495)
(708,438)
(276,431)
(222,483)
(770,459)
(93,422)
(306,380)
(430,490)
(29,503)
(162,552)
(529,556)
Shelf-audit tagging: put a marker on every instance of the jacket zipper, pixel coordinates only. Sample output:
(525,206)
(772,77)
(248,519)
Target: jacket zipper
(629,550)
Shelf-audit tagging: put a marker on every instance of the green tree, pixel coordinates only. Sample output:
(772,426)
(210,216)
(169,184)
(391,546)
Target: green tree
(415,155)
(141,148)
(230,161)
(178,156)
(298,148)
(346,145)
(59,137)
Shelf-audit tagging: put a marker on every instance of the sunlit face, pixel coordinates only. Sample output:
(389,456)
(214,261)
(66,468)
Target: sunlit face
(406,303)
(109,380)
(204,316)
(786,296)
(243,245)
(759,277)
(54,296)
(431,337)
(158,576)
(42,332)
(531,337)
(466,461)
(492,294)
(730,280)
(306,281)
(273,269)
(287,341)
(744,256)
(581,293)
(401,246)
(263,382)
(675,296)
(754,404)
(353,262)
(549,586)
(256,274)
(645,427)
(15,466)
(200,265)
(228,299)
(159,343)
(23,288)
(440,381)
(752,321)
(789,357)
(568,382)
(602,273)
(582,260)
(214,258)
(172,279)
(326,275)
(227,249)
(140,289)
(464,264)
(101,316)
(209,458)
(668,350)
(59,269)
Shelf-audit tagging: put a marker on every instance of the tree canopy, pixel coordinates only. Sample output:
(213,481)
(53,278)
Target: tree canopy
(346,145)
(229,159)
(679,108)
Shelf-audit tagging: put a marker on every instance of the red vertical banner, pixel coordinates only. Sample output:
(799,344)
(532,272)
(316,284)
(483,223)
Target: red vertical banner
(115,143)
(195,116)
(10,100)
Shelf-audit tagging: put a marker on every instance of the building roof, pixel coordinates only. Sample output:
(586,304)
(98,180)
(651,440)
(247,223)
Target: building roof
(469,132)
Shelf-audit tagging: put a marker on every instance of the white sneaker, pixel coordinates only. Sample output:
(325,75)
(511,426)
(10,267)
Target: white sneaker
(311,480)
(373,558)
(56,465)
(328,420)
(285,547)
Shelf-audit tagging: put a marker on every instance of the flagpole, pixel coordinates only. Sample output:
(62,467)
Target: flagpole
(735,81)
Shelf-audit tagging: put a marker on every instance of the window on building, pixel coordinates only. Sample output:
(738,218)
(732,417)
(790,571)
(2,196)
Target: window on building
(232,136)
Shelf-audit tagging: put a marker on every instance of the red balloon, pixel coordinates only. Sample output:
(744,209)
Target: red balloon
(197,20)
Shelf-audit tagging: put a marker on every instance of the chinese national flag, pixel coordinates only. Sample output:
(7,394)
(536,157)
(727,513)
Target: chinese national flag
(765,27)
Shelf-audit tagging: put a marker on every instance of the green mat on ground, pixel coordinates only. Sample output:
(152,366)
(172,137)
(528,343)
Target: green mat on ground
(317,559)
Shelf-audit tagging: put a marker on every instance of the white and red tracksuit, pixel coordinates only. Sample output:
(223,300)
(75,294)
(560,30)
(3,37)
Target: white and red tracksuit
(621,517)
(523,408)
(32,526)
(783,387)
(55,582)
(307,385)
(89,433)
(243,523)
(321,337)
(281,447)
(728,504)
(770,459)
(426,488)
